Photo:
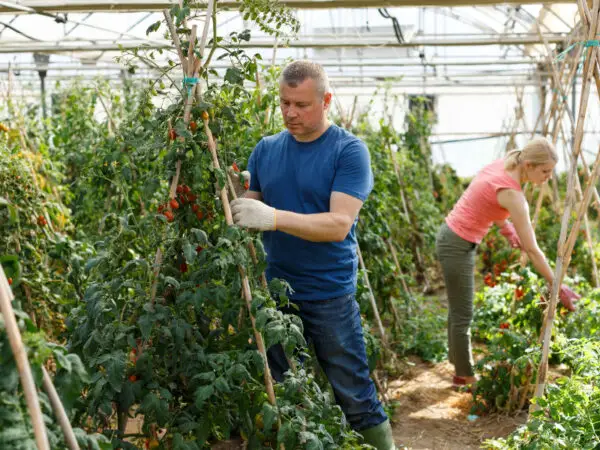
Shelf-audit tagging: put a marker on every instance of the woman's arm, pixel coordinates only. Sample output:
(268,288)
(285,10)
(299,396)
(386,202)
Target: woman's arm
(517,206)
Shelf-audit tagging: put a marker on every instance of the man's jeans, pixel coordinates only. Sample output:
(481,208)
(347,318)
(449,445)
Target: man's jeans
(334,327)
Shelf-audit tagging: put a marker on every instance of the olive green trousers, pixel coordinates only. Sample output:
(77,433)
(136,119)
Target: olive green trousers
(457,258)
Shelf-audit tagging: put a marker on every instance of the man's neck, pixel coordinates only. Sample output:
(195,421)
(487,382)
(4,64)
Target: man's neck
(315,134)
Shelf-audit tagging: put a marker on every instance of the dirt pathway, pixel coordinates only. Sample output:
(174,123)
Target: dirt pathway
(432,416)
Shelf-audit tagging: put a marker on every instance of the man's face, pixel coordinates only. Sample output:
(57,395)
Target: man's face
(303,107)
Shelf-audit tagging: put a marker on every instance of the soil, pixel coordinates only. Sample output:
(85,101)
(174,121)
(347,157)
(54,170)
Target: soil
(432,415)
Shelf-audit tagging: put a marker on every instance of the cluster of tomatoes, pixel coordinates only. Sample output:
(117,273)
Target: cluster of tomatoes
(41,221)
(185,196)
(489,280)
(519,292)
(235,168)
(500,267)
(193,127)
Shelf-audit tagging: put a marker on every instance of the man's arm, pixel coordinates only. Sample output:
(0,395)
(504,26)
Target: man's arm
(332,226)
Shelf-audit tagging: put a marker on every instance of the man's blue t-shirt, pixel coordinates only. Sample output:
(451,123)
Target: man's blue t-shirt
(300,177)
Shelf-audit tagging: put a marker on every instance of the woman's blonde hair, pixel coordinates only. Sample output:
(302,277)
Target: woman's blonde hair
(537,152)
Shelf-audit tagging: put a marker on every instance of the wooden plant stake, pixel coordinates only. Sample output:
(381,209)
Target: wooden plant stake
(380,327)
(402,280)
(251,247)
(18,349)
(59,410)
(246,292)
(563,256)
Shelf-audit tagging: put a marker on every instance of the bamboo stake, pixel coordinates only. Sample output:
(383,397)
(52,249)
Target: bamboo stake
(380,387)
(190,69)
(407,214)
(402,280)
(210,9)
(268,111)
(111,123)
(534,221)
(563,105)
(586,222)
(590,243)
(247,294)
(18,349)
(560,263)
(583,205)
(392,305)
(59,410)
(176,41)
(251,247)
(372,299)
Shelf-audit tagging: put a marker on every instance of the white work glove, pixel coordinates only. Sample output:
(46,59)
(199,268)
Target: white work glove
(254,214)
(240,181)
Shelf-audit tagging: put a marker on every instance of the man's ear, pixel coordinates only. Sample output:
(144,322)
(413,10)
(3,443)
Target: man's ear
(327,100)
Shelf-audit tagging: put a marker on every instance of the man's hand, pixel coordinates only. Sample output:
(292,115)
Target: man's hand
(510,233)
(254,214)
(568,297)
(240,180)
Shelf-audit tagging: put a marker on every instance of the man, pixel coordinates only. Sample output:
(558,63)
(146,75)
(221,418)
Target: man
(307,185)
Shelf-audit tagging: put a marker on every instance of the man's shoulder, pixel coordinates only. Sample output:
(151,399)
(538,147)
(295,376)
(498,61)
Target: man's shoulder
(274,139)
(347,139)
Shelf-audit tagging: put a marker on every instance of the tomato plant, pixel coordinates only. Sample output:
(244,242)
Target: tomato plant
(43,262)
(69,377)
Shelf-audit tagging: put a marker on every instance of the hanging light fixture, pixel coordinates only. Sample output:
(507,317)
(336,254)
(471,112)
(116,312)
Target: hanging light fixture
(41,62)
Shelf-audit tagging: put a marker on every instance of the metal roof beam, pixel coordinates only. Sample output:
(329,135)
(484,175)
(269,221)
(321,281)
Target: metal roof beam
(158,5)
(441,41)
(333,64)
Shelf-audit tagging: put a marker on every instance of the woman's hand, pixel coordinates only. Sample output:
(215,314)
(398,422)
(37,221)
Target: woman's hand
(568,297)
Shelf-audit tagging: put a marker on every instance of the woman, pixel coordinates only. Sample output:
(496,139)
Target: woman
(493,196)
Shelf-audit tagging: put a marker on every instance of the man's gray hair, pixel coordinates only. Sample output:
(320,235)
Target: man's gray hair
(298,71)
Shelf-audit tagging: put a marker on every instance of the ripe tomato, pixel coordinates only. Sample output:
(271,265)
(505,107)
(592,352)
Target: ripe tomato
(10,281)
(200,215)
(199,249)
(132,378)
(488,280)
(195,207)
(519,293)
(183,267)
(172,134)
(192,197)
(179,189)
(186,189)
(173,204)
(246,185)
(235,167)
(169,216)
(193,126)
